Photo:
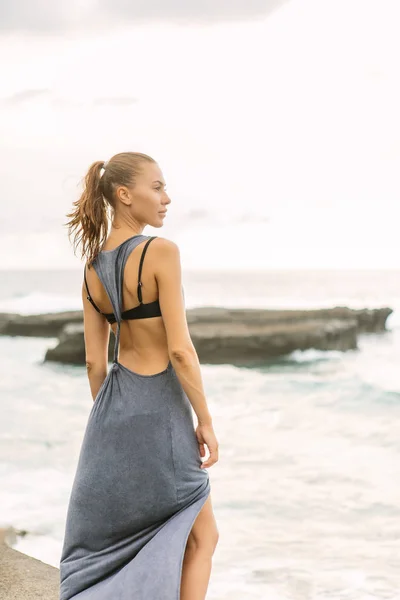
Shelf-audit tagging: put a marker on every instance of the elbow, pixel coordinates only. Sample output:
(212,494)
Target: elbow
(95,366)
(183,355)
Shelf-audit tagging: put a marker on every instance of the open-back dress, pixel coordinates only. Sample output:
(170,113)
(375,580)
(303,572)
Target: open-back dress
(138,486)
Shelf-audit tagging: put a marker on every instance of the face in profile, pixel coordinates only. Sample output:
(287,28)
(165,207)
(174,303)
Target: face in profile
(147,200)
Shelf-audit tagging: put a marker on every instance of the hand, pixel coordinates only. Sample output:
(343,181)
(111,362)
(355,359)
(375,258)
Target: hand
(205,435)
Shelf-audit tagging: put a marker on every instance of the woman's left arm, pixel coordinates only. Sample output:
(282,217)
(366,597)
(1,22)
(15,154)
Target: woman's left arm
(97,336)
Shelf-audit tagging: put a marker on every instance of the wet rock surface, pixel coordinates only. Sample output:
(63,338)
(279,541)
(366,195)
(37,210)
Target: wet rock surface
(222,335)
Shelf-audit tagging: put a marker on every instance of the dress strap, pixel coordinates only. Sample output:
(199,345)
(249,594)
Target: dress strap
(119,266)
(109,267)
(139,286)
(116,342)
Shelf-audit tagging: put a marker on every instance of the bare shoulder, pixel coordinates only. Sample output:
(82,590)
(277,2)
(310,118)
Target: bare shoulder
(166,254)
(168,275)
(165,247)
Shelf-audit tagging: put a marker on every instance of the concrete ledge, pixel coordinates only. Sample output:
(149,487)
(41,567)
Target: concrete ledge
(25,578)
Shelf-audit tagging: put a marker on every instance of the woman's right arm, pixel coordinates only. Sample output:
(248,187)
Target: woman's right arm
(181,350)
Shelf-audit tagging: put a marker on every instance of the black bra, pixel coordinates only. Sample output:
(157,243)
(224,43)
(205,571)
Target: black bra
(142,311)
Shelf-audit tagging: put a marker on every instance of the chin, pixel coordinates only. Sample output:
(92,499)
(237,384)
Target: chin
(157,224)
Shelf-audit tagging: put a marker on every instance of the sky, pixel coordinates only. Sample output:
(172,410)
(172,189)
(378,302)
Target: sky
(276,125)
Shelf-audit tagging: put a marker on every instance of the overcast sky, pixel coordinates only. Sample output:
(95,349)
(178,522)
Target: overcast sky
(49,17)
(276,124)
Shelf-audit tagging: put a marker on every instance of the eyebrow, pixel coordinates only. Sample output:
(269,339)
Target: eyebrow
(158,181)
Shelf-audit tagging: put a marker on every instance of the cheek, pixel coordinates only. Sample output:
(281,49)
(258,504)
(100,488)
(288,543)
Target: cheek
(148,204)
(154,201)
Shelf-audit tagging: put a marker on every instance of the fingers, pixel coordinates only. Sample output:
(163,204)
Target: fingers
(212,459)
(202,449)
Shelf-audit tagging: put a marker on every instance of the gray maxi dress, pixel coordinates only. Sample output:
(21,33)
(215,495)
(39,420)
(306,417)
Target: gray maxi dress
(138,486)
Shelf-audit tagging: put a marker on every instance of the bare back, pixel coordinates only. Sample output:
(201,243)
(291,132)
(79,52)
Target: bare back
(146,343)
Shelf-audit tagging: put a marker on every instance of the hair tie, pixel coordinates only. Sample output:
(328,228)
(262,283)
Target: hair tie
(103,168)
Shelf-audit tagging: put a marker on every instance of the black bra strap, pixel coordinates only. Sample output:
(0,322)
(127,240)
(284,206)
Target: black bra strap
(139,291)
(88,293)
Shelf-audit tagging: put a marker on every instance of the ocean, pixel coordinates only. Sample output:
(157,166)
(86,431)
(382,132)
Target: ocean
(306,492)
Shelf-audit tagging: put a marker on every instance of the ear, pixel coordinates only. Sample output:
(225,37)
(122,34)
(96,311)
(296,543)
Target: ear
(122,193)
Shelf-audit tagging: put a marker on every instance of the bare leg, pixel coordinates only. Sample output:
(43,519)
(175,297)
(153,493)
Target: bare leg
(197,561)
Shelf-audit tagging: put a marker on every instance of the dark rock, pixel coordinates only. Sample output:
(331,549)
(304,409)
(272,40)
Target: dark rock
(43,325)
(224,335)
(250,344)
(368,320)
(71,346)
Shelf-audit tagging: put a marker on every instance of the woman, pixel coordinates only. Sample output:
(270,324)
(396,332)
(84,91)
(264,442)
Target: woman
(140,524)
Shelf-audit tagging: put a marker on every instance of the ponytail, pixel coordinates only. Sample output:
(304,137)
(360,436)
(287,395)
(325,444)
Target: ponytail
(89,220)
